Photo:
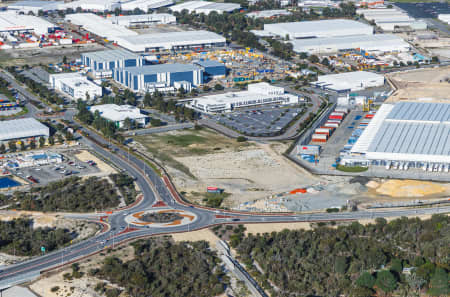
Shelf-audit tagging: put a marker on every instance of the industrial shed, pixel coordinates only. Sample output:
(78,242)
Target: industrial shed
(171,40)
(205,7)
(378,43)
(99,26)
(135,20)
(413,133)
(21,129)
(322,28)
(349,81)
(143,78)
(11,22)
(110,59)
(212,68)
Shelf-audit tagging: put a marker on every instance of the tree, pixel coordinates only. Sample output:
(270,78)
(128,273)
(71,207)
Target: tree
(439,283)
(313,59)
(64,60)
(218,87)
(32,144)
(148,100)
(41,141)
(2,148)
(325,62)
(127,123)
(303,55)
(365,280)
(22,146)
(206,88)
(340,265)
(51,140)
(12,146)
(361,292)
(396,265)
(155,122)
(60,139)
(241,139)
(434,59)
(386,281)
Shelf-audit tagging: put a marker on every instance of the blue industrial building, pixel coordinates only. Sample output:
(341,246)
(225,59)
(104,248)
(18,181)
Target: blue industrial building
(212,68)
(145,77)
(111,59)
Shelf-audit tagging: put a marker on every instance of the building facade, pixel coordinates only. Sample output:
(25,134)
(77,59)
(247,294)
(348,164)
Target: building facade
(146,77)
(256,94)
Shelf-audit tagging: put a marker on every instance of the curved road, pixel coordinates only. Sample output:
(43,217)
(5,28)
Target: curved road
(154,188)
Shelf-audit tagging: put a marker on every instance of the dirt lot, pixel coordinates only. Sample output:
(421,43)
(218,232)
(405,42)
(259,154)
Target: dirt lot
(105,169)
(421,83)
(246,171)
(78,287)
(49,55)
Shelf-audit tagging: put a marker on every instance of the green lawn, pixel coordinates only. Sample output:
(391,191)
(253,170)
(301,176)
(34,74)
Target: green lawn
(351,168)
(184,140)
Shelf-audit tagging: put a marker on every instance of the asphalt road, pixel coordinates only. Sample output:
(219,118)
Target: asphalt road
(153,188)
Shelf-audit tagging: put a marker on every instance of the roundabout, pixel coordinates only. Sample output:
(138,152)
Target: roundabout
(161,218)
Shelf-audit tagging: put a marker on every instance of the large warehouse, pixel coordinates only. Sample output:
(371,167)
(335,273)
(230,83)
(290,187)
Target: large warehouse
(405,135)
(256,94)
(11,22)
(205,7)
(388,19)
(99,26)
(145,5)
(378,43)
(119,113)
(349,81)
(145,77)
(34,6)
(22,129)
(102,63)
(171,40)
(136,20)
(315,29)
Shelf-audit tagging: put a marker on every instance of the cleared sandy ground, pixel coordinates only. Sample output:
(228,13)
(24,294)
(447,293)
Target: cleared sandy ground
(82,287)
(105,169)
(275,227)
(204,234)
(422,83)
(248,174)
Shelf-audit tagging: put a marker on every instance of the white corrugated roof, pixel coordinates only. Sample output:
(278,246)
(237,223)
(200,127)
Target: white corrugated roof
(22,128)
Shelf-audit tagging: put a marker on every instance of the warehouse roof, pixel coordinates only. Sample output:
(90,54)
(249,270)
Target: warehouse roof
(99,25)
(168,39)
(209,63)
(111,55)
(205,5)
(35,3)
(161,68)
(22,128)
(322,28)
(118,113)
(348,80)
(268,13)
(408,131)
(12,21)
(387,42)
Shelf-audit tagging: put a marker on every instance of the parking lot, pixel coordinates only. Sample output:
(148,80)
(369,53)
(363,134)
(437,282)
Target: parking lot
(265,121)
(53,172)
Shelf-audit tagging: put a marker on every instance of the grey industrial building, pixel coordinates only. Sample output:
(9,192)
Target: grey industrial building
(405,135)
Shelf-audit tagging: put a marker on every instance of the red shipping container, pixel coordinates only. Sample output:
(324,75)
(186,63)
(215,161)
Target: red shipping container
(336,117)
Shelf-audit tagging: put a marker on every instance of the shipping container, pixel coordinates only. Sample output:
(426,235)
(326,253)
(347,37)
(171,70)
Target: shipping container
(319,138)
(336,117)
(331,125)
(308,150)
(322,131)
